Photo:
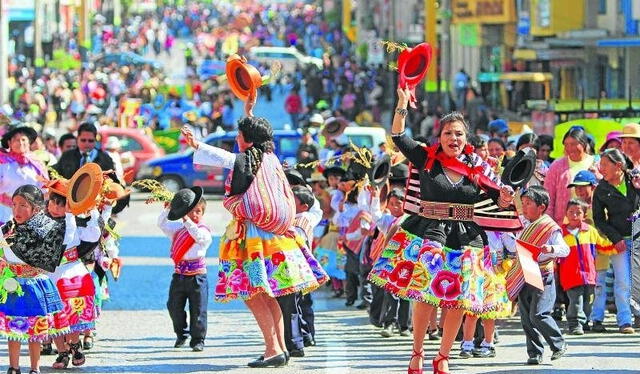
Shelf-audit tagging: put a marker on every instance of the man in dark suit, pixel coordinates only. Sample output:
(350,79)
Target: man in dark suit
(86,151)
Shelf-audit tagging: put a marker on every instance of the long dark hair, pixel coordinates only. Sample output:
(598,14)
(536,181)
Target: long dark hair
(578,133)
(258,131)
(616,156)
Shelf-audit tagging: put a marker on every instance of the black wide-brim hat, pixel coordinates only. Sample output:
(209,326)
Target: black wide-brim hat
(183,202)
(333,170)
(19,129)
(380,172)
(399,173)
(295,178)
(334,127)
(520,168)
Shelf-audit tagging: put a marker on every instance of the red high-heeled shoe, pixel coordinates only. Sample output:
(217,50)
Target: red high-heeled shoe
(416,354)
(436,363)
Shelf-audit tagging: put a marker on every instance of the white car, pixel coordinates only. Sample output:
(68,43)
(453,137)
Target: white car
(289,57)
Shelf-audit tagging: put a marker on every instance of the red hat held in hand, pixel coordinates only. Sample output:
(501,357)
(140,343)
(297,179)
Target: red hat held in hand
(413,64)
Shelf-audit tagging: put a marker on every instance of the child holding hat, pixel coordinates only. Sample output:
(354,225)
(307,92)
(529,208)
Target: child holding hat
(181,220)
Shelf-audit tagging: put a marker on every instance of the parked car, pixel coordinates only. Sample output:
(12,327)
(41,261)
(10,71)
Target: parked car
(211,68)
(125,58)
(368,137)
(289,57)
(136,142)
(177,170)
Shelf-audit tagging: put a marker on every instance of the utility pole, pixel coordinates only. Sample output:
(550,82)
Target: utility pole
(445,51)
(84,31)
(38,60)
(4,52)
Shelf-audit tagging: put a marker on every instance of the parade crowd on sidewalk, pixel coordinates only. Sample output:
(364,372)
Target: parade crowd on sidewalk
(424,232)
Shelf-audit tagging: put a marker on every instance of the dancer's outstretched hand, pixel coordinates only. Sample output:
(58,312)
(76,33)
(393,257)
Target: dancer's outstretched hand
(189,137)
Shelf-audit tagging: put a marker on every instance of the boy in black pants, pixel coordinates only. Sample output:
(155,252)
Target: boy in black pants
(189,242)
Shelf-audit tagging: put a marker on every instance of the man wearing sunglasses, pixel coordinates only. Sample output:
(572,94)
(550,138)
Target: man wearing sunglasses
(86,152)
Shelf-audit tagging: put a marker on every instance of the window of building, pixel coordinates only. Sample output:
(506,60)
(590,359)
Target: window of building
(602,7)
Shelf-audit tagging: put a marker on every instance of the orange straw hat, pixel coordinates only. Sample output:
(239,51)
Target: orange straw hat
(84,188)
(244,79)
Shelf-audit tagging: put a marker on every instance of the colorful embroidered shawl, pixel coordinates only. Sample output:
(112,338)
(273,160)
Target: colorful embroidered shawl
(537,233)
(269,202)
(181,243)
(356,225)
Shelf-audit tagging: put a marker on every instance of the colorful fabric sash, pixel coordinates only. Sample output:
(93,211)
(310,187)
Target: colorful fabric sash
(191,267)
(269,202)
(356,225)
(181,243)
(537,234)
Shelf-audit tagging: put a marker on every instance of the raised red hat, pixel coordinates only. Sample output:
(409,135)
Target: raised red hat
(413,64)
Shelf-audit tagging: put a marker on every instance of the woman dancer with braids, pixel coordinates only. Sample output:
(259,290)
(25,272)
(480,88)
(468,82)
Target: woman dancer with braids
(261,256)
(439,256)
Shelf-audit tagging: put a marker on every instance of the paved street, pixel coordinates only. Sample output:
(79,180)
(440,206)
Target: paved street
(135,335)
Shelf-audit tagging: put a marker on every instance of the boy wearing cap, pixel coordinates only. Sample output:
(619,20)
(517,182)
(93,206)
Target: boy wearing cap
(181,220)
(584,183)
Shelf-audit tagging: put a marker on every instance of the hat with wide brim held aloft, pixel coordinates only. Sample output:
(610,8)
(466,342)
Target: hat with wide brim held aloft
(28,131)
(84,187)
(334,127)
(333,170)
(244,79)
(379,174)
(413,64)
(184,201)
(520,168)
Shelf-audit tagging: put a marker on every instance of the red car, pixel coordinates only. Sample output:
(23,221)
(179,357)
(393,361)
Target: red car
(135,141)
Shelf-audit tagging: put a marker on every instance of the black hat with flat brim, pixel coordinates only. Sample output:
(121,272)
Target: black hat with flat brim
(184,201)
(399,173)
(519,170)
(29,132)
(295,178)
(380,172)
(333,170)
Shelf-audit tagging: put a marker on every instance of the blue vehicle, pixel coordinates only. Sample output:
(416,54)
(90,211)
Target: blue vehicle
(125,58)
(177,171)
(211,68)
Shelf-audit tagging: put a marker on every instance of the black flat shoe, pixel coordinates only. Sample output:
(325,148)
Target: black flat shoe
(297,353)
(13,371)
(275,361)
(180,342)
(309,342)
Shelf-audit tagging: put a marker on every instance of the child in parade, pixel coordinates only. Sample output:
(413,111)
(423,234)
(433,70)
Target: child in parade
(394,311)
(578,270)
(583,184)
(535,305)
(308,214)
(72,278)
(30,306)
(181,220)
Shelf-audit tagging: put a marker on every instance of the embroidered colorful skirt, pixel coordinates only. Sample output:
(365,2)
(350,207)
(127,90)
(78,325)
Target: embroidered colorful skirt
(78,293)
(332,258)
(261,261)
(423,270)
(36,315)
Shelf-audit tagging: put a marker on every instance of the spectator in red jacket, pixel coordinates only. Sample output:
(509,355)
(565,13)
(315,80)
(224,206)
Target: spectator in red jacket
(293,106)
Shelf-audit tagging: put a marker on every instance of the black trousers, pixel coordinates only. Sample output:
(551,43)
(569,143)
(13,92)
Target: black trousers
(375,309)
(308,317)
(195,289)
(535,313)
(366,291)
(352,270)
(395,311)
(291,315)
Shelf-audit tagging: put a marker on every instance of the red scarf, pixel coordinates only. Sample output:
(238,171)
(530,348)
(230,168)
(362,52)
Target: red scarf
(474,173)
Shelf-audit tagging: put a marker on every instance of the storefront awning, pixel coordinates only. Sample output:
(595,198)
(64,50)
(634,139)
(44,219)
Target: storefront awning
(619,43)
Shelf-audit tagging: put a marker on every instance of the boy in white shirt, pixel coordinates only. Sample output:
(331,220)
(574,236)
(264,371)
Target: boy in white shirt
(190,239)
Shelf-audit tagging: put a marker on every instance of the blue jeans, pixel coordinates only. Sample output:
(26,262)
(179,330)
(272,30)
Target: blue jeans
(621,264)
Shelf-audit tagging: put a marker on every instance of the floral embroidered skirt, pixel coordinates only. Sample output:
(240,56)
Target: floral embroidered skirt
(332,258)
(426,271)
(261,261)
(34,316)
(78,293)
